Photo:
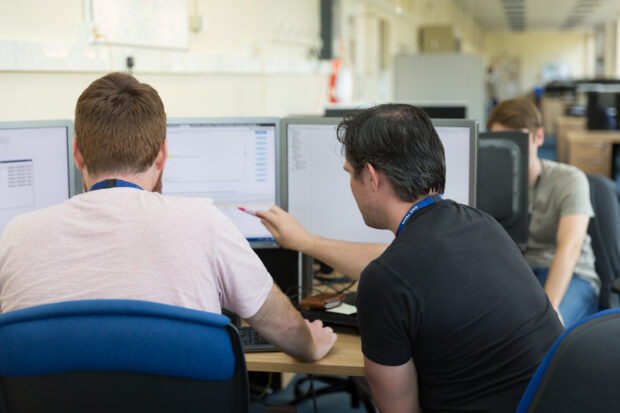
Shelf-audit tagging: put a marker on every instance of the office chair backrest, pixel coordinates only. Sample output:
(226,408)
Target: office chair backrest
(120,356)
(581,371)
(502,176)
(604,230)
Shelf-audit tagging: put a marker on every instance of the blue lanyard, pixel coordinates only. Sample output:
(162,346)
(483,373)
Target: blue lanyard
(417,206)
(113,183)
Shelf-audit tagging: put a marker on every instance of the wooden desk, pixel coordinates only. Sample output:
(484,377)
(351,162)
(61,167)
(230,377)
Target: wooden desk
(565,124)
(345,359)
(592,151)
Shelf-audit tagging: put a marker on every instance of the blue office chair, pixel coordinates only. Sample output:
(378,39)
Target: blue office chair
(581,371)
(120,356)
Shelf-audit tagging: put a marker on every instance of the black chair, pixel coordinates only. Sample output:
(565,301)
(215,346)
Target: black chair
(120,356)
(357,388)
(581,371)
(604,230)
(501,187)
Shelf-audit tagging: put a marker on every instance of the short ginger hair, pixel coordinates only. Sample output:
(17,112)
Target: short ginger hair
(120,125)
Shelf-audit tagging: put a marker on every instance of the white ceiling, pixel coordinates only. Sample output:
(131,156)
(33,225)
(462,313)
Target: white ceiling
(536,15)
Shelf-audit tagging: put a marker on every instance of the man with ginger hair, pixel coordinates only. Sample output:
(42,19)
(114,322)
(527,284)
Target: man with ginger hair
(122,239)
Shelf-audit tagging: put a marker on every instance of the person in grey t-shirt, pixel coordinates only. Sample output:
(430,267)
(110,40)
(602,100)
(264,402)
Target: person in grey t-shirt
(558,246)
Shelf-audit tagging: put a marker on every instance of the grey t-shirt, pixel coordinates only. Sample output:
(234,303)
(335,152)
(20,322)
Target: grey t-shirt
(561,190)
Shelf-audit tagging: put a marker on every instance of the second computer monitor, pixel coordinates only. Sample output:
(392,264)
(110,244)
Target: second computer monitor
(235,162)
(36,166)
(317,188)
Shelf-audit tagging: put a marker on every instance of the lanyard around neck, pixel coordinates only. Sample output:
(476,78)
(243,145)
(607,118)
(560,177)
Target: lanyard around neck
(416,207)
(113,183)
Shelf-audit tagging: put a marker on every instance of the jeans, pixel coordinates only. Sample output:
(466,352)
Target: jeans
(580,299)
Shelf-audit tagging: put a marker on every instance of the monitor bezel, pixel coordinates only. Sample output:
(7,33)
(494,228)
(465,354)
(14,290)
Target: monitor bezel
(472,125)
(421,104)
(244,121)
(284,146)
(73,177)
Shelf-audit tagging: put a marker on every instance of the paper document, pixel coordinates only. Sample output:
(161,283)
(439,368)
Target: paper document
(344,308)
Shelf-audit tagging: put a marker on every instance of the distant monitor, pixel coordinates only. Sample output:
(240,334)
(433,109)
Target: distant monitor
(433,110)
(503,181)
(445,111)
(36,166)
(235,162)
(317,187)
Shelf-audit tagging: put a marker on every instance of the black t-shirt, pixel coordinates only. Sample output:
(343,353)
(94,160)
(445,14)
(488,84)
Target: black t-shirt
(453,292)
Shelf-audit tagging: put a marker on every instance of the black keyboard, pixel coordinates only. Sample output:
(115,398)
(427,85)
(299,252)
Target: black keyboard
(252,342)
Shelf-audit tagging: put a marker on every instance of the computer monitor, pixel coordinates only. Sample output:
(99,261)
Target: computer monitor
(434,110)
(36,166)
(316,188)
(445,111)
(503,181)
(234,161)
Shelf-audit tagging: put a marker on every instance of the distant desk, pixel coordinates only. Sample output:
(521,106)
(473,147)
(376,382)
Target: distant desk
(345,359)
(564,125)
(593,151)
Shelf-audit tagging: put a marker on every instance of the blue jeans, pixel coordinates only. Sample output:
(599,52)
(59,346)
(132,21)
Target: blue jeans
(579,301)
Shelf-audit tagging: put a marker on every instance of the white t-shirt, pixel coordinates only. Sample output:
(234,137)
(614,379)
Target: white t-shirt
(125,243)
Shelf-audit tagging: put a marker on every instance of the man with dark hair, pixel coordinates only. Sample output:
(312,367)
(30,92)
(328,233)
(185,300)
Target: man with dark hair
(122,239)
(451,318)
(558,245)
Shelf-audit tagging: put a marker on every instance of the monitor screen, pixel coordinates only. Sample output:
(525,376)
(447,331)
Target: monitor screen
(317,187)
(232,161)
(36,169)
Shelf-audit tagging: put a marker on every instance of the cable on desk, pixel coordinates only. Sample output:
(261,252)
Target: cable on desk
(304,291)
(267,386)
(343,290)
(329,283)
(327,280)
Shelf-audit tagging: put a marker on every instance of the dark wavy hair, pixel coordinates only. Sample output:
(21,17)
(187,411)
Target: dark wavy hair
(400,141)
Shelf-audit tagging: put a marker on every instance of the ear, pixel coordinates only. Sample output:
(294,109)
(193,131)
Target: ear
(162,156)
(77,155)
(374,175)
(539,137)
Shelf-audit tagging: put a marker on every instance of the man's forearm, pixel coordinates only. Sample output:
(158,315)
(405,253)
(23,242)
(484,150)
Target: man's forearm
(560,274)
(279,323)
(349,258)
(296,341)
(569,239)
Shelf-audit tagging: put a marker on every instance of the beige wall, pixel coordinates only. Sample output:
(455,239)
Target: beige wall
(536,50)
(254,57)
(357,27)
(447,12)
(251,59)
(611,68)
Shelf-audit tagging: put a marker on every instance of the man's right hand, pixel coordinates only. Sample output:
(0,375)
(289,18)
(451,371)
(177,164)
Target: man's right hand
(285,229)
(324,338)
(281,324)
